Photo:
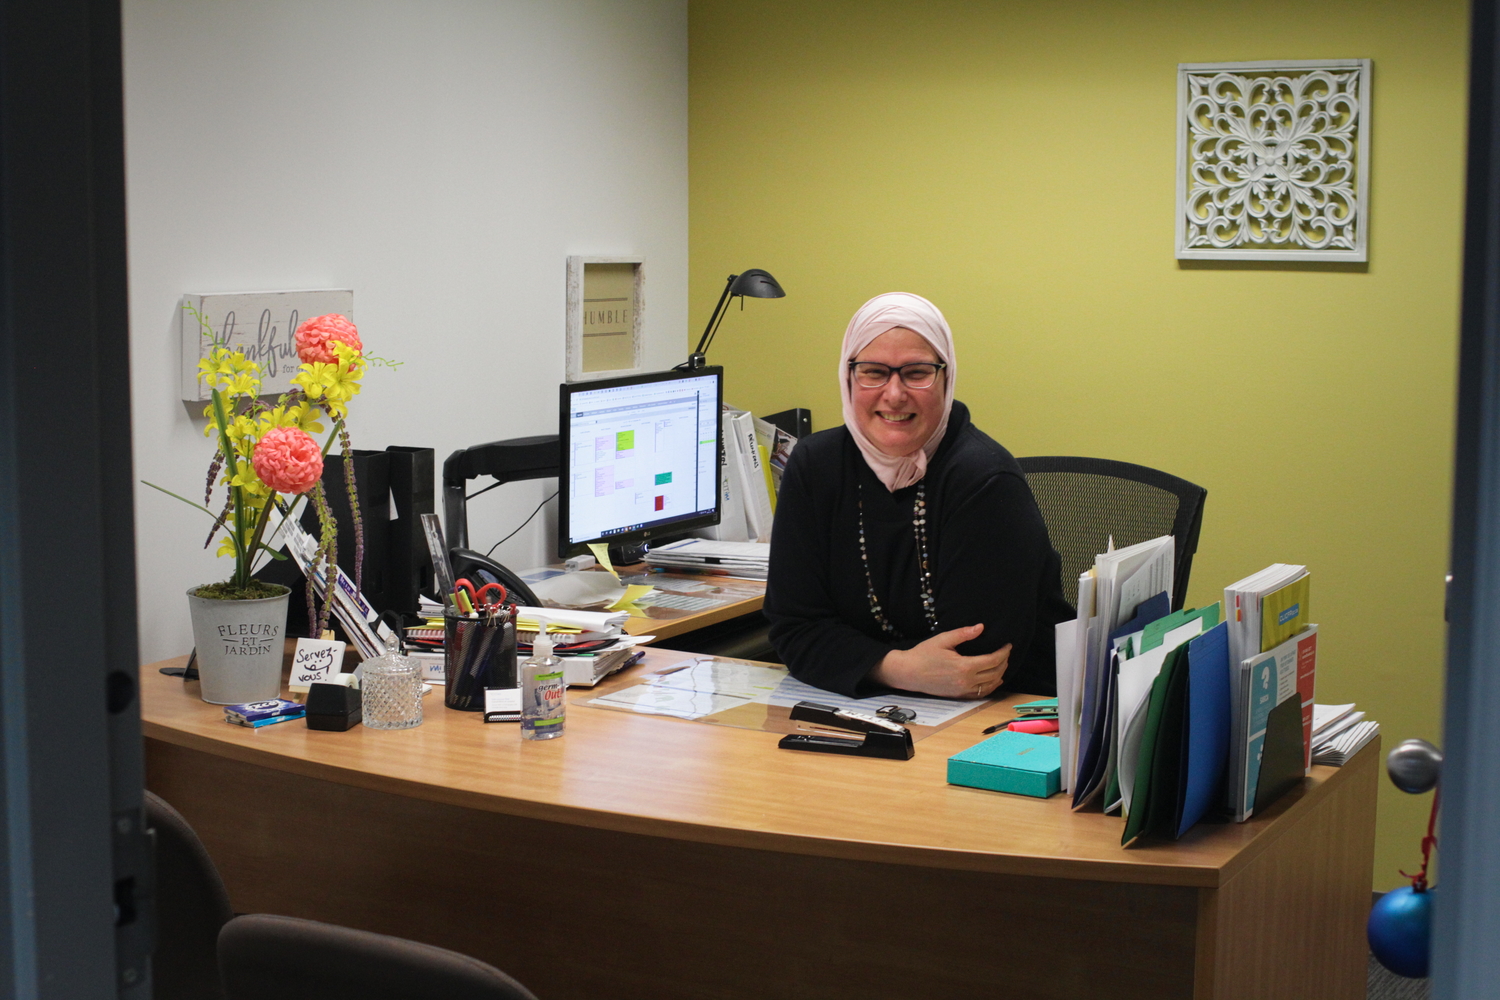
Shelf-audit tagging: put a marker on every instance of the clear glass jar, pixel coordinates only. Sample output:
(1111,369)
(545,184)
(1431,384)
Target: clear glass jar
(391,690)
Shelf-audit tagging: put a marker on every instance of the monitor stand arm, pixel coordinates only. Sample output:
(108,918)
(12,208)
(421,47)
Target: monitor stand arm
(507,461)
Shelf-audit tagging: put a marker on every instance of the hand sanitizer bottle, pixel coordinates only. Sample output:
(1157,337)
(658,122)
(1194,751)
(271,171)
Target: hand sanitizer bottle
(542,690)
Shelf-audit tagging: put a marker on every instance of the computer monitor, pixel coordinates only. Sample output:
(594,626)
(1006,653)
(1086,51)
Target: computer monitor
(640,458)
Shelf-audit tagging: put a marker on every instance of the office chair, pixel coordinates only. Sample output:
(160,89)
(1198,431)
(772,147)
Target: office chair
(1085,501)
(191,907)
(264,957)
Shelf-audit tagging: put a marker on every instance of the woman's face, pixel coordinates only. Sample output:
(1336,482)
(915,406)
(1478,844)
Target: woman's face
(896,419)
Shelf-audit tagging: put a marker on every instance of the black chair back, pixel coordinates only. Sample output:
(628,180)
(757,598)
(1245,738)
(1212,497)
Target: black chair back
(191,906)
(264,957)
(1085,501)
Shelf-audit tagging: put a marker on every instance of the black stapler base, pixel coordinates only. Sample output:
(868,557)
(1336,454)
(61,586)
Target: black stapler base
(879,738)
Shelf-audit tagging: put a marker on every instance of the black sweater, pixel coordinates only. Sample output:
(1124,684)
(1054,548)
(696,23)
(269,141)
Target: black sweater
(990,557)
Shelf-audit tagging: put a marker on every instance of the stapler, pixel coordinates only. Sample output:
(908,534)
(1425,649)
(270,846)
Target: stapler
(881,737)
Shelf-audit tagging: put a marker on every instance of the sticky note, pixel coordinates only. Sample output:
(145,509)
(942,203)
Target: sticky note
(315,661)
(601,553)
(634,592)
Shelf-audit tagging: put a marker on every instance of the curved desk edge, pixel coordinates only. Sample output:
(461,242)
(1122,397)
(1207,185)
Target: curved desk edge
(1134,865)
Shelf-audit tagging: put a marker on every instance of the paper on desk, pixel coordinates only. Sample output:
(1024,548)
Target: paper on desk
(750,682)
(704,686)
(1324,714)
(633,593)
(746,681)
(589,621)
(655,699)
(930,711)
(579,589)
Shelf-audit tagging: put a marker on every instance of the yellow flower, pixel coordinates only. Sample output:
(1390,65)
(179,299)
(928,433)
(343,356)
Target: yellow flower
(315,376)
(226,546)
(240,384)
(302,416)
(240,427)
(333,384)
(230,371)
(247,480)
(216,362)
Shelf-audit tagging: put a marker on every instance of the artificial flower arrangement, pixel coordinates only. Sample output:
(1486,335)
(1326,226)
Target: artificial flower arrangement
(267,450)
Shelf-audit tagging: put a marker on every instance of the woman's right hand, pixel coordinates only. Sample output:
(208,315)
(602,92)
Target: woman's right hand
(934,666)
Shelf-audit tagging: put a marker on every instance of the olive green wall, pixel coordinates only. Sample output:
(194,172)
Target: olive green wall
(1014,163)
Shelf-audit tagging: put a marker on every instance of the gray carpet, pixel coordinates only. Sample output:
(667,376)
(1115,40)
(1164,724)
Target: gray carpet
(1386,985)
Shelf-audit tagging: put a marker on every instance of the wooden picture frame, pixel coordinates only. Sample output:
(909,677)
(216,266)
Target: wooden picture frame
(606,306)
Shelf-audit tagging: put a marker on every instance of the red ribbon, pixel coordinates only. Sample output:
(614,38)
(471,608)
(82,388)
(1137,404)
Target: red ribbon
(1419,880)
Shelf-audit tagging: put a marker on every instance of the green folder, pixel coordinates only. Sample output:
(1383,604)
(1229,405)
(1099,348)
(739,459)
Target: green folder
(1156,632)
(1148,783)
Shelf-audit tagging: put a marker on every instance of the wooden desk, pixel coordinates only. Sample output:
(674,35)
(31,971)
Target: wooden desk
(748,597)
(650,857)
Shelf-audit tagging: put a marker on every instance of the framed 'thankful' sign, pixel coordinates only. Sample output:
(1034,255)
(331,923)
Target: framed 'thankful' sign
(261,324)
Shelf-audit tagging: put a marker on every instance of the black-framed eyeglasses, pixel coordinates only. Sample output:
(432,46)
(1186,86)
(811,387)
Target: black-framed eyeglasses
(917,375)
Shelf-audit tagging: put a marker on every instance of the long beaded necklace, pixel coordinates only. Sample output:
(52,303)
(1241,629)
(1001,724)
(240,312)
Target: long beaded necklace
(919,530)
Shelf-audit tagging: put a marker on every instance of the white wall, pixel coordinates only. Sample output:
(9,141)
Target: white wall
(441,158)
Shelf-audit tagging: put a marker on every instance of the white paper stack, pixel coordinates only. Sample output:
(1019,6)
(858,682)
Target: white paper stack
(604,623)
(1126,577)
(746,559)
(1339,732)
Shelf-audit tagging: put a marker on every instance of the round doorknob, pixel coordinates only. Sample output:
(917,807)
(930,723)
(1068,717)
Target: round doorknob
(1414,766)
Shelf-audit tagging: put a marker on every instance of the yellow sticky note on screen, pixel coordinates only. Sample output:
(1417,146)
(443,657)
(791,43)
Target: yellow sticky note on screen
(634,592)
(601,553)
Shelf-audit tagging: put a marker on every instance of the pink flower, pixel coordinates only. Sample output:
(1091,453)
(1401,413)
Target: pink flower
(315,338)
(288,460)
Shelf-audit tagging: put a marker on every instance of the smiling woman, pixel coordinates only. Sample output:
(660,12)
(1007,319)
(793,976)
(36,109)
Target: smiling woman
(908,551)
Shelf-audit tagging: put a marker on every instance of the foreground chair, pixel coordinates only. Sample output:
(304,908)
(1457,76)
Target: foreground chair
(1085,501)
(264,957)
(191,907)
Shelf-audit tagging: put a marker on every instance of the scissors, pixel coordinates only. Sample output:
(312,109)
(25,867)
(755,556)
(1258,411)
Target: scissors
(464,592)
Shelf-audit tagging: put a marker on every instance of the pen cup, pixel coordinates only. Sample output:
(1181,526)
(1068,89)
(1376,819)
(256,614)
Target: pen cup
(478,653)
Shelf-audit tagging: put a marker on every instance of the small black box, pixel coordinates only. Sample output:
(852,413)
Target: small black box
(333,707)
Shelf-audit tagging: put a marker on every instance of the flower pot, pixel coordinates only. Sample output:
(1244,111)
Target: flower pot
(239,647)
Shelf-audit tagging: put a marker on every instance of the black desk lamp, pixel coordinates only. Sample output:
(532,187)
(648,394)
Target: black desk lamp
(755,283)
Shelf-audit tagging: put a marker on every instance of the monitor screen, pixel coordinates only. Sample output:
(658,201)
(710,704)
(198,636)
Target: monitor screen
(640,457)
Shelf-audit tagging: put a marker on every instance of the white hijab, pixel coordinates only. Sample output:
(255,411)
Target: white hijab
(875,317)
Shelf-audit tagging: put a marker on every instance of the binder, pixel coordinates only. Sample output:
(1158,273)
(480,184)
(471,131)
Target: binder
(752,478)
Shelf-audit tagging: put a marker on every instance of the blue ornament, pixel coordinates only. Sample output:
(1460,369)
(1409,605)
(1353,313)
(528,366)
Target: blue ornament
(1400,931)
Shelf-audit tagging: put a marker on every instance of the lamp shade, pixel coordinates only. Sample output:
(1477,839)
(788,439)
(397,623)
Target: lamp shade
(757,284)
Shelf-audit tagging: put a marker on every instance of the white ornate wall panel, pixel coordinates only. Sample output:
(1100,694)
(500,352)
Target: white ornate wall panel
(1273,160)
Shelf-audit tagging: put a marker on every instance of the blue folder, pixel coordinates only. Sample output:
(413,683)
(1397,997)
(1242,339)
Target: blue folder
(1206,733)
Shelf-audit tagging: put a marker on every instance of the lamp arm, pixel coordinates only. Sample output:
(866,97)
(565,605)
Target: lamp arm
(716,318)
(709,343)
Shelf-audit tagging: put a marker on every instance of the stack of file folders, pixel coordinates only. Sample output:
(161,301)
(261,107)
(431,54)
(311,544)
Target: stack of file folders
(1167,717)
(745,559)
(1339,732)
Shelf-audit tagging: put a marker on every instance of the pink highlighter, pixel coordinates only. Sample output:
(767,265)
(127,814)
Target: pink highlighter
(1033,726)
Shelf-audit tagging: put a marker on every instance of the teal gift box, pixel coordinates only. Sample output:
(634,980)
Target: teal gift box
(1020,763)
